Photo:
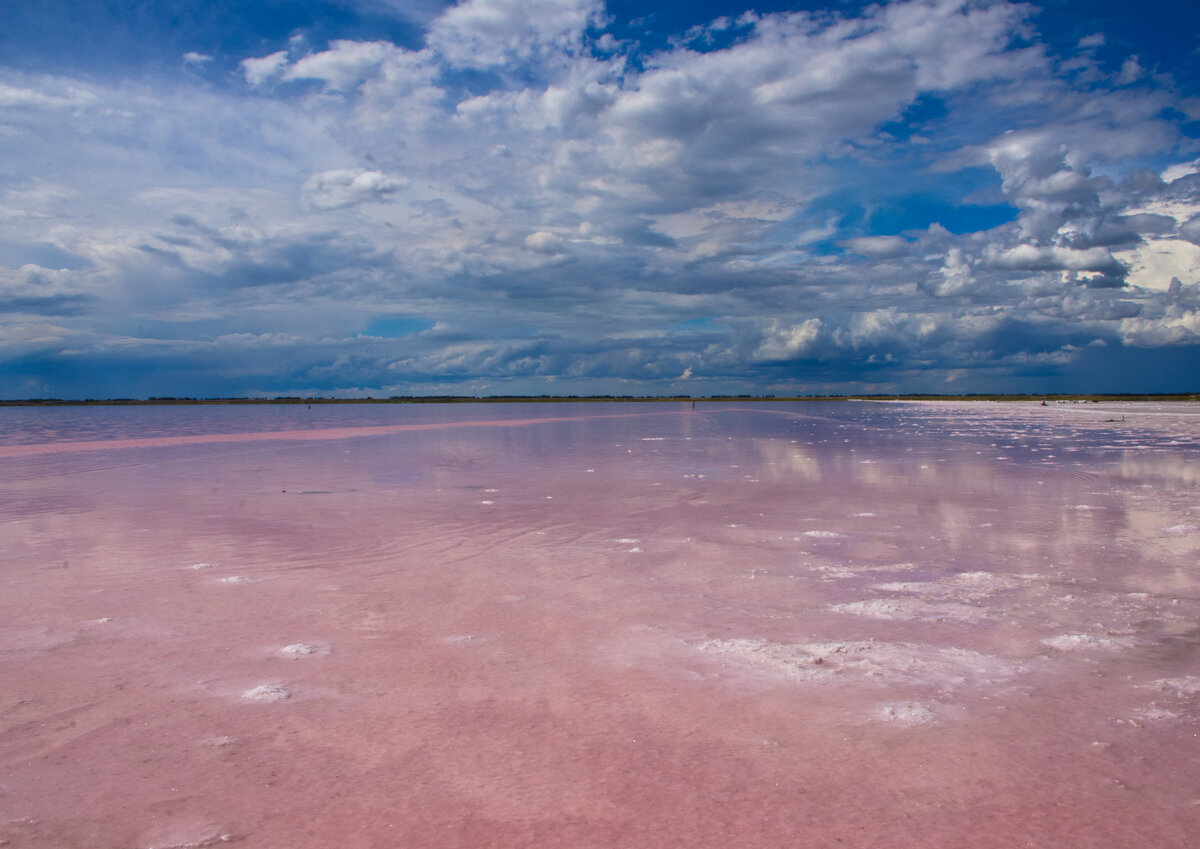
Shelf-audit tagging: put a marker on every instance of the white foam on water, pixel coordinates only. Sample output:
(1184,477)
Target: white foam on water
(200,566)
(1181,529)
(267,693)
(487,502)
(820,535)
(235,579)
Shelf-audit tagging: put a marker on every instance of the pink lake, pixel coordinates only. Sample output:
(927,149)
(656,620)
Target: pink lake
(601,625)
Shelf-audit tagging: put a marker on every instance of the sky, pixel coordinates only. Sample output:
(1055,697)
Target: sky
(571,197)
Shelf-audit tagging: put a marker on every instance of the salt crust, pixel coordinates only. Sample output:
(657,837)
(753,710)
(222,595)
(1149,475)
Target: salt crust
(886,663)
(267,693)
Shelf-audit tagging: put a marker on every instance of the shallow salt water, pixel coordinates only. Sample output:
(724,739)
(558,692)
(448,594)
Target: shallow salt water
(596,625)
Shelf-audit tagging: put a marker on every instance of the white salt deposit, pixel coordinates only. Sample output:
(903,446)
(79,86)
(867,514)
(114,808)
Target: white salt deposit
(1188,685)
(911,609)
(963,587)
(868,660)
(305,650)
(1086,642)
(907,713)
(464,639)
(267,693)
(1155,714)
(192,838)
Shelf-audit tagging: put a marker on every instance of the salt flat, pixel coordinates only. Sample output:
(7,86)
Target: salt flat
(586,625)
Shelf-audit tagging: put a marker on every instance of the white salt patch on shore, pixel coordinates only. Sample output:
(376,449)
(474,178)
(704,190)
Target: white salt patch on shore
(267,693)
(1085,642)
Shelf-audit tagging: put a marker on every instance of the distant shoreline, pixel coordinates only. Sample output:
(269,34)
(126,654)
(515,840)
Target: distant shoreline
(568,399)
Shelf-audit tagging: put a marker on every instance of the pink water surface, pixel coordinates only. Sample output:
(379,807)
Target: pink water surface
(756,625)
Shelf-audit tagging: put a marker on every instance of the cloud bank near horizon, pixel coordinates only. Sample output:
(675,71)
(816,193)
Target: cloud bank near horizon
(543,197)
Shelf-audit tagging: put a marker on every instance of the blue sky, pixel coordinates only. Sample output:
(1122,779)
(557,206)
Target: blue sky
(382,197)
